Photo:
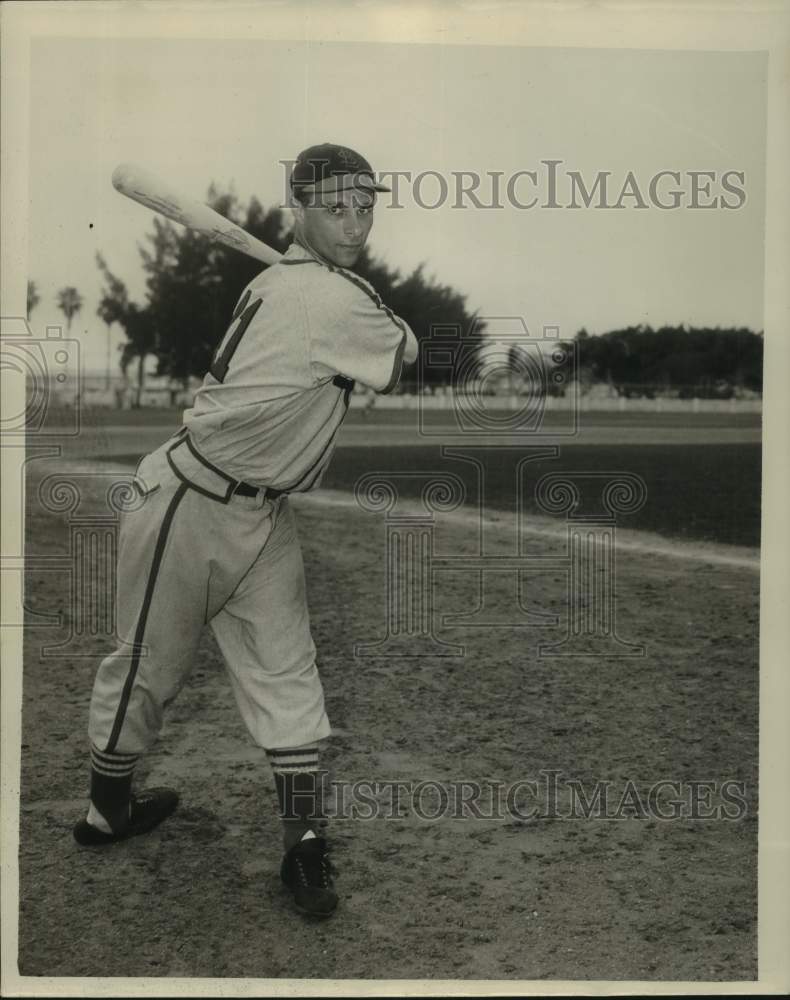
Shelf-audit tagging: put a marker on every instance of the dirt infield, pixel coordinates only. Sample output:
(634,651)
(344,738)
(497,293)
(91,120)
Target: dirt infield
(621,894)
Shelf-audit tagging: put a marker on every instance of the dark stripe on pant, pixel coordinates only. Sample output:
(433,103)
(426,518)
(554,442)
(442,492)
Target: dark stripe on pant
(143,619)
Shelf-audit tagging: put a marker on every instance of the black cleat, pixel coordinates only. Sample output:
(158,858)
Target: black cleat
(307,872)
(148,810)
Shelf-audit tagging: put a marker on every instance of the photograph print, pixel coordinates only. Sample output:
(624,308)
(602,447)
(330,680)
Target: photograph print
(391,458)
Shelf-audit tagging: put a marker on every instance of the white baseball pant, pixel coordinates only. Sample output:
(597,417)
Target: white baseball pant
(195,553)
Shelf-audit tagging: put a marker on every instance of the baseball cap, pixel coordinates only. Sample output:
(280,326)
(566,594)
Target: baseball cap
(328,167)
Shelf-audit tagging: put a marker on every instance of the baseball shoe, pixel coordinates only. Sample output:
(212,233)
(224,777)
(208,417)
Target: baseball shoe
(148,809)
(307,872)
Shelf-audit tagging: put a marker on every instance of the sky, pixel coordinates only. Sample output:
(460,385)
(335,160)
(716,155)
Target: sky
(197,111)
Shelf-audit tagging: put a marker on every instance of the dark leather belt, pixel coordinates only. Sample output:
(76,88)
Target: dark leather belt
(245,490)
(232,486)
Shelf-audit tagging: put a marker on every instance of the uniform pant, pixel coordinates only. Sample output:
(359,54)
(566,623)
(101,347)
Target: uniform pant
(192,552)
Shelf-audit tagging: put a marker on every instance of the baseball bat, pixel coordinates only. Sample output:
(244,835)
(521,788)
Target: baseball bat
(149,190)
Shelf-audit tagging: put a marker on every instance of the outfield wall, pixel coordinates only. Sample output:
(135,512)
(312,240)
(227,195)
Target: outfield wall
(408,401)
(161,393)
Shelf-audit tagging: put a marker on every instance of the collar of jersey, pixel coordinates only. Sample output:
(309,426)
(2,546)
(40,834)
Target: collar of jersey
(297,253)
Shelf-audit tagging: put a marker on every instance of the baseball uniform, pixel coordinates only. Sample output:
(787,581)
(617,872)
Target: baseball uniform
(214,539)
(198,552)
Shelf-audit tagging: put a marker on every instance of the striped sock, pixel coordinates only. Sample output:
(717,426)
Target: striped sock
(294,759)
(299,790)
(111,788)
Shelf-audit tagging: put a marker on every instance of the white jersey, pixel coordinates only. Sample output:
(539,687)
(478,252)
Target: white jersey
(277,391)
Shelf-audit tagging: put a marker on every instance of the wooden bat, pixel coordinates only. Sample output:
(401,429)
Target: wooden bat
(143,186)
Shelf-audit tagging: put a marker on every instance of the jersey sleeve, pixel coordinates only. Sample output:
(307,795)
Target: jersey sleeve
(353,333)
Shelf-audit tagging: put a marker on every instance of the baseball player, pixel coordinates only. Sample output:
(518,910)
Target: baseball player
(214,539)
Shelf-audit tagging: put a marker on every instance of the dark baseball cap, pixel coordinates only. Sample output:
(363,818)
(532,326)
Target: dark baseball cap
(330,168)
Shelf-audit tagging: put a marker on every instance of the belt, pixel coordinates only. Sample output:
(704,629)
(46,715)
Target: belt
(206,478)
(246,490)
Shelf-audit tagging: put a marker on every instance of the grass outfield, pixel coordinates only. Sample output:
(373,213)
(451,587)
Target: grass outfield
(694,492)
(171,418)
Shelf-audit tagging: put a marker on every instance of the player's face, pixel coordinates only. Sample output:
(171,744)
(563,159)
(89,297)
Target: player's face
(337,225)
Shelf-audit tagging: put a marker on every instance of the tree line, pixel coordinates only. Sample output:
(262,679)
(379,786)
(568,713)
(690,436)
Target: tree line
(702,362)
(192,286)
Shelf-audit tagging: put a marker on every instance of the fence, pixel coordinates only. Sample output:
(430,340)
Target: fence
(586,403)
(118,393)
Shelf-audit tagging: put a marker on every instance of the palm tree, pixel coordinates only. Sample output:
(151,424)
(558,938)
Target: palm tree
(33,298)
(69,302)
(115,307)
(108,312)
